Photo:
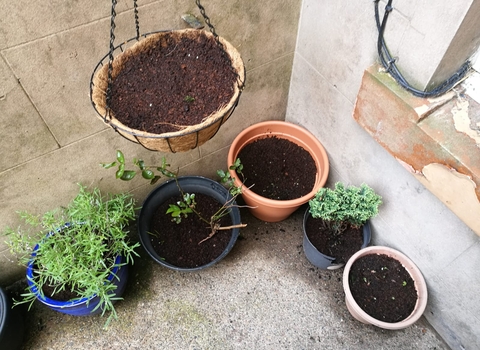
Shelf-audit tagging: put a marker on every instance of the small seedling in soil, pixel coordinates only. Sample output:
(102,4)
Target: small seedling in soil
(189,99)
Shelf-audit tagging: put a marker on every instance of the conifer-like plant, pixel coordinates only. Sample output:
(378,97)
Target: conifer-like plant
(344,205)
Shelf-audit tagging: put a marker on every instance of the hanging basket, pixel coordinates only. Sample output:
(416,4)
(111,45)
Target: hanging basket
(185,137)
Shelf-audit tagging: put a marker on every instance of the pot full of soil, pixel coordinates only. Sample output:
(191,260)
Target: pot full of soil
(169,91)
(328,251)
(186,246)
(68,303)
(284,165)
(383,287)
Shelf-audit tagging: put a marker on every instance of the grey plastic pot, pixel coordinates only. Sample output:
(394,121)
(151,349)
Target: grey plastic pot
(11,323)
(321,260)
(168,189)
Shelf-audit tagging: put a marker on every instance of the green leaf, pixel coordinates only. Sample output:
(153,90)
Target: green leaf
(120,157)
(120,171)
(108,165)
(154,180)
(128,175)
(173,209)
(140,163)
(148,174)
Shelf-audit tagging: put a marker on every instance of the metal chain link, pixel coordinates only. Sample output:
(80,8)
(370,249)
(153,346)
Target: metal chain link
(137,24)
(110,59)
(209,24)
(240,82)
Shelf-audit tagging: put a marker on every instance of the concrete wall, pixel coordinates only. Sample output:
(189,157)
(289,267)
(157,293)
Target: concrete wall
(336,43)
(51,138)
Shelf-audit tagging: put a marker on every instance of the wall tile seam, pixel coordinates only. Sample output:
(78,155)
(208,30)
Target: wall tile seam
(64,30)
(4,59)
(264,64)
(19,83)
(329,83)
(59,149)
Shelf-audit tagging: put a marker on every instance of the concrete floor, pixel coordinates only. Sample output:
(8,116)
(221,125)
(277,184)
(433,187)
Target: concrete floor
(263,295)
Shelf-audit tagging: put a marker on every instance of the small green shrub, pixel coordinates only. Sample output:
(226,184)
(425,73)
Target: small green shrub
(77,245)
(345,205)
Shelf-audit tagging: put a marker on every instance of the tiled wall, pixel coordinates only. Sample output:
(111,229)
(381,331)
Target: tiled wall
(51,138)
(336,43)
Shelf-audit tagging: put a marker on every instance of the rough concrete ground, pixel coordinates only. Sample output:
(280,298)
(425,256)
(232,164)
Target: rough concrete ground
(263,295)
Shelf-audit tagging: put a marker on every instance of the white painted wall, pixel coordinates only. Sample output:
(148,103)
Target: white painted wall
(336,43)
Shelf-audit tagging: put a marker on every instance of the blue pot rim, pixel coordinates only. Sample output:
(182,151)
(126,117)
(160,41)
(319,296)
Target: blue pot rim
(56,303)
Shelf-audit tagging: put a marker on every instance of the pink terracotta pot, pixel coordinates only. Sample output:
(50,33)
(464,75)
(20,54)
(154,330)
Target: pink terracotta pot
(420,286)
(275,210)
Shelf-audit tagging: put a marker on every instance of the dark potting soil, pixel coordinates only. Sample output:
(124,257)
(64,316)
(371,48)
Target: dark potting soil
(179,244)
(64,295)
(177,82)
(382,287)
(277,168)
(341,247)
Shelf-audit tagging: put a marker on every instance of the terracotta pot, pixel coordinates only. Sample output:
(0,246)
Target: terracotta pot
(323,261)
(276,210)
(416,275)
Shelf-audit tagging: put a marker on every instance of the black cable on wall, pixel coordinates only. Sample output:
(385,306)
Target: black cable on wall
(388,61)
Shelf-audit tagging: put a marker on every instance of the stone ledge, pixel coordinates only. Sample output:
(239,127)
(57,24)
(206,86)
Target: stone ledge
(437,140)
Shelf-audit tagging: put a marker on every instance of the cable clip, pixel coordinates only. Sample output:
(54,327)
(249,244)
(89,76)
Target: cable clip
(390,63)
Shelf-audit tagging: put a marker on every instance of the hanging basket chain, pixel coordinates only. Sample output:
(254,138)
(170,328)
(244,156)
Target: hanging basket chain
(137,23)
(241,84)
(112,49)
(110,61)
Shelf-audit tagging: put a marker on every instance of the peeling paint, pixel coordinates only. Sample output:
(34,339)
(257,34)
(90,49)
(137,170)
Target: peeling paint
(409,168)
(472,86)
(462,120)
(422,110)
(447,183)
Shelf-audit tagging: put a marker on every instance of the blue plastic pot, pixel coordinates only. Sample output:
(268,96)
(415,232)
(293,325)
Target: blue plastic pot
(11,323)
(84,306)
(321,260)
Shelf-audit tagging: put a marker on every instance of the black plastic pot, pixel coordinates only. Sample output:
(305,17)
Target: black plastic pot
(321,260)
(189,184)
(11,323)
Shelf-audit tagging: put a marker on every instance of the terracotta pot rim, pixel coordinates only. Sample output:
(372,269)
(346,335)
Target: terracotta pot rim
(319,181)
(414,272)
